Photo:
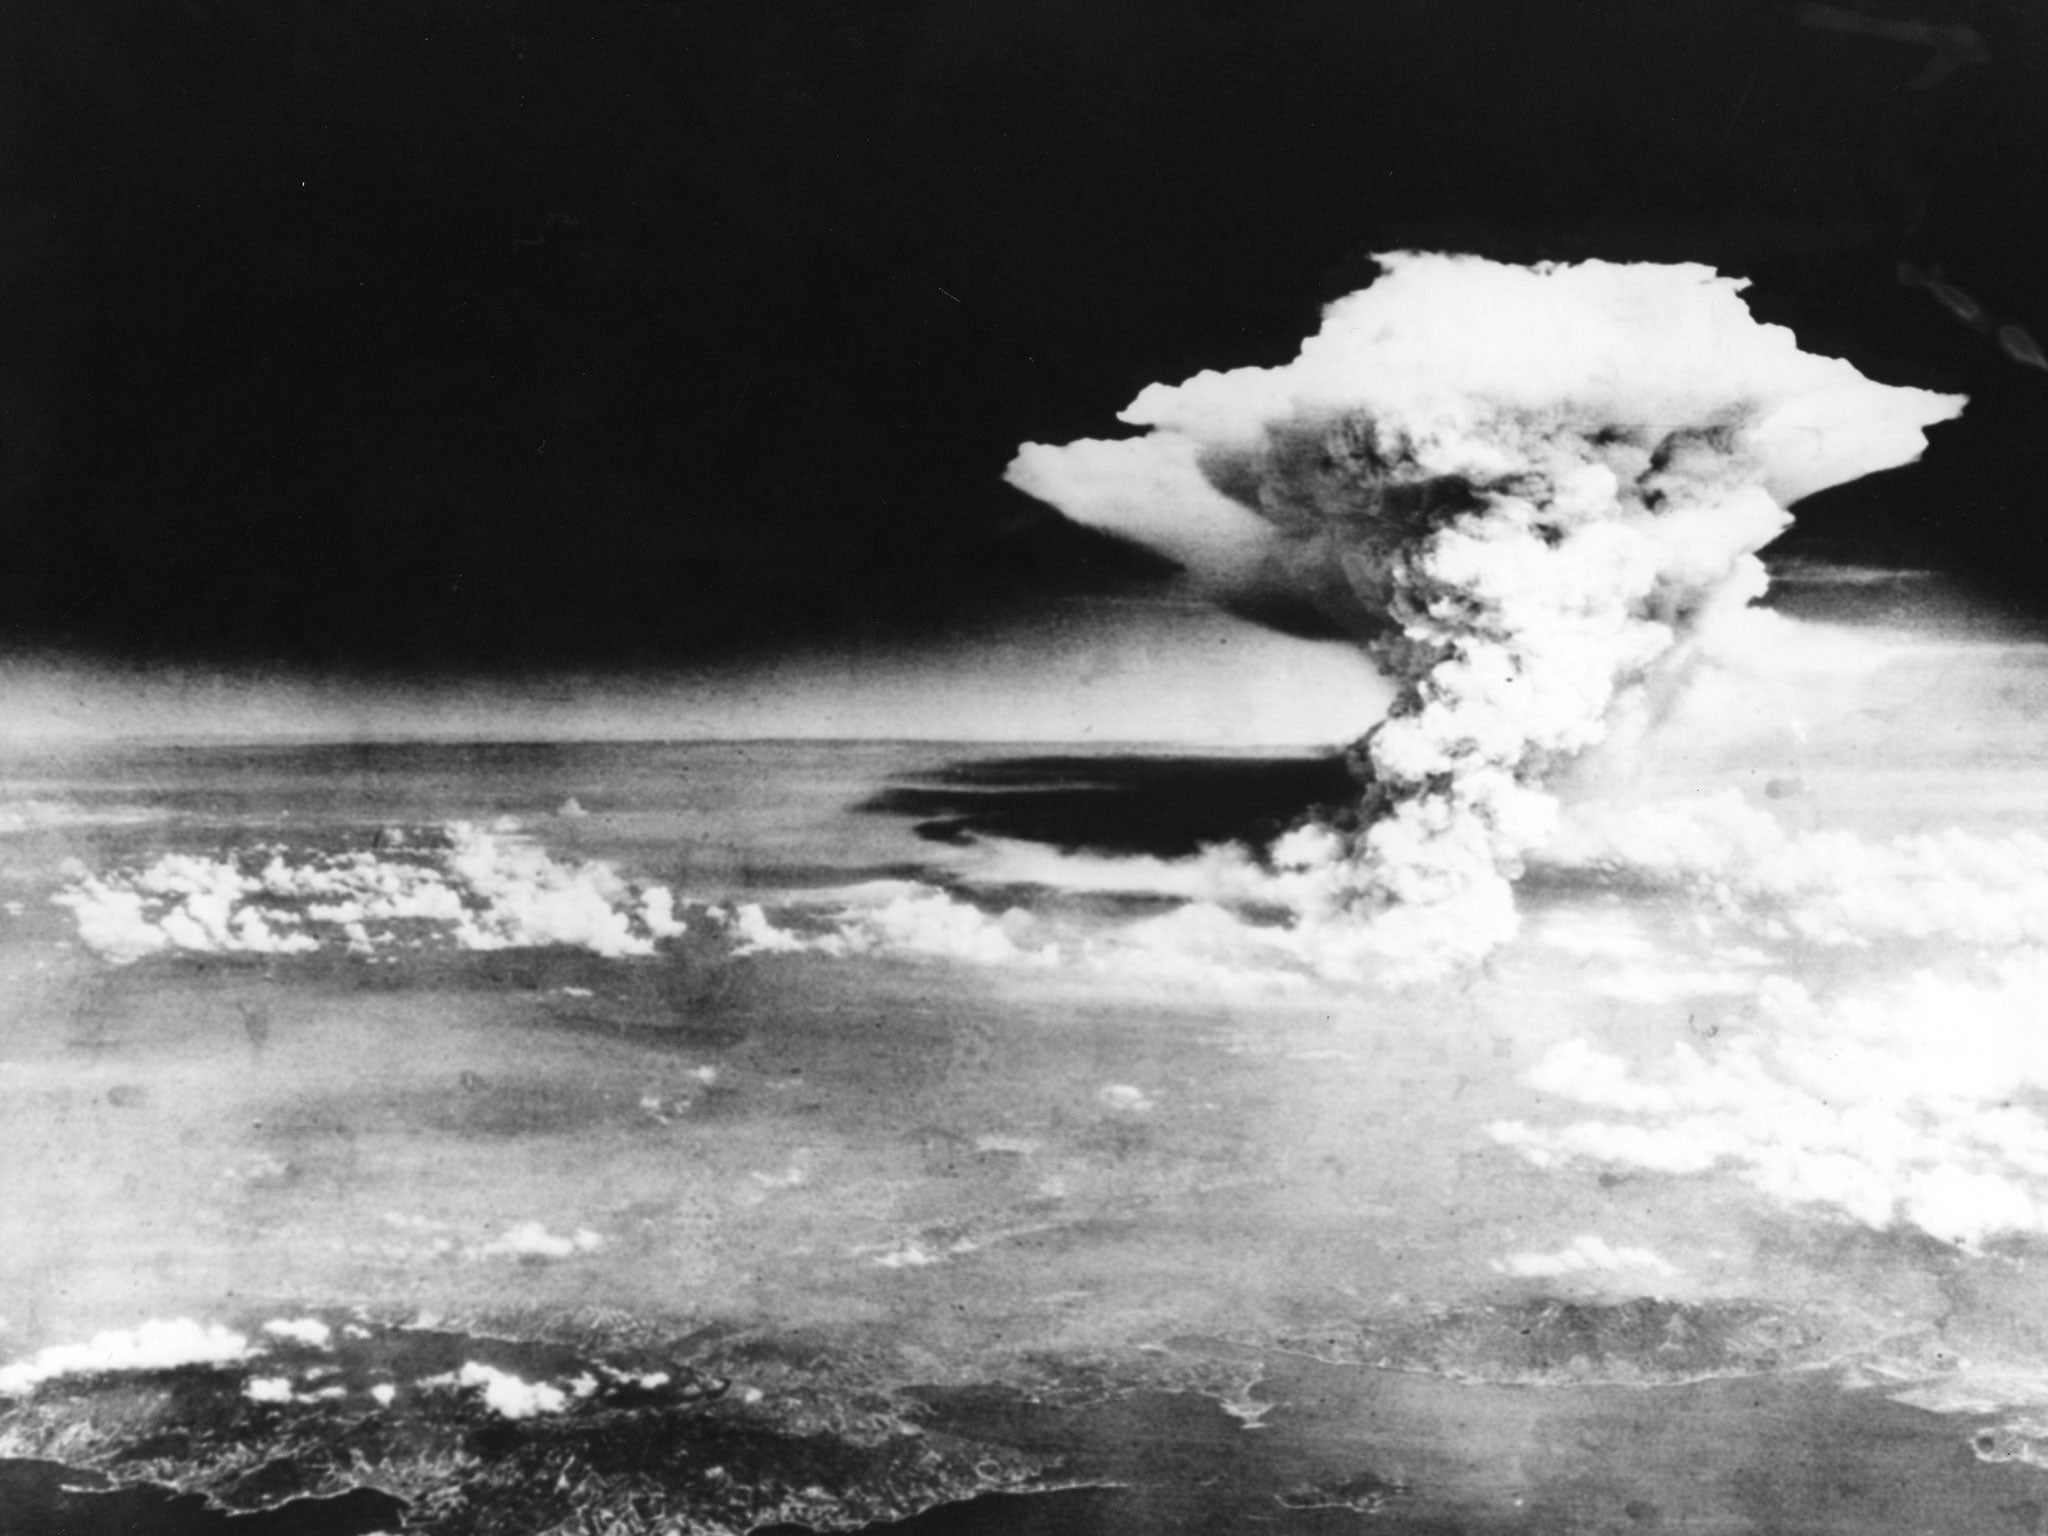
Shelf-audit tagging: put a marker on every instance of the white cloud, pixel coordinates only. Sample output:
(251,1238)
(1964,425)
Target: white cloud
(1919,1103)
(1249,929)
(43,815)
(155,1345)
(1127,1098)
(1824,887)
(279,1389)
(309,1331)
(904,918)
(1588,1253)
(647,1381)
(757,935)
(473,887)
(1610,935)
(509,1396)
(900,918)
(531,1240)
(912,1255)
(916,1253)
(1652,984)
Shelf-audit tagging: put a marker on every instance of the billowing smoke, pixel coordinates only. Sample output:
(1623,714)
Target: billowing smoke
(1527,493)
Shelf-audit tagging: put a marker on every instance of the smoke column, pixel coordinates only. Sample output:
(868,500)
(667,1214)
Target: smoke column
(1527,493)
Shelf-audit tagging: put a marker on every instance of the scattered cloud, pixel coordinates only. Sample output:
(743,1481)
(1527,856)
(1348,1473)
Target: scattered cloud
(309,1331)
(1583,1255)
(511,1396)
(473,887)
(531,1240)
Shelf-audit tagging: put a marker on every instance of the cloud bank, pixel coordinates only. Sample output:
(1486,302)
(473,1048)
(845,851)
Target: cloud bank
(155,1345)
(1828,887)
(1921,1103)
(467,886)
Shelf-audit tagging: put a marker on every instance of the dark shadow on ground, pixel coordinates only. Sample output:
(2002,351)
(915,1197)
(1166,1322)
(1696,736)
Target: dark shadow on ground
(1168,807)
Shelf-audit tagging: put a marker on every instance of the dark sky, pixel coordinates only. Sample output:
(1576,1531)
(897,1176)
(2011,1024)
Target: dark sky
(426,334)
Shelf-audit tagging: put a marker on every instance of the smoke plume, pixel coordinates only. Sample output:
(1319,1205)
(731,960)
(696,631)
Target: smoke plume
(1526,493)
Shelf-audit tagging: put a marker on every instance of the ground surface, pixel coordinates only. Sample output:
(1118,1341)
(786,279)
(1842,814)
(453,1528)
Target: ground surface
(1031,1237)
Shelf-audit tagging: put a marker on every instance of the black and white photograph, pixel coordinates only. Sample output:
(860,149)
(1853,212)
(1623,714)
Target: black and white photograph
(1023,768)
